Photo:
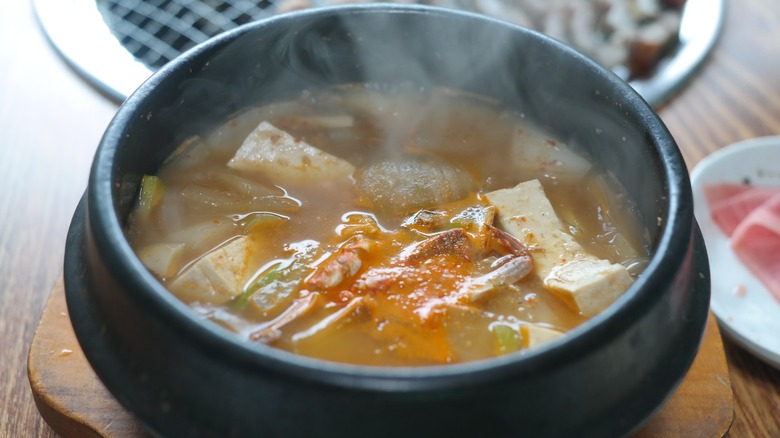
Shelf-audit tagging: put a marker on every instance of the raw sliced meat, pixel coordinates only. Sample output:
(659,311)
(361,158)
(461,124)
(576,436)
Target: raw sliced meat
(731,203)
(714,193)
(756,241)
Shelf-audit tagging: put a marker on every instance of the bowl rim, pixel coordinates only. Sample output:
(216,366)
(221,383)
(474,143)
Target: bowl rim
(673,242)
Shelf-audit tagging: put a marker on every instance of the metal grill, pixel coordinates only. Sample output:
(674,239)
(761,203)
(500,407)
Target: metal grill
(156,31)
(117,44)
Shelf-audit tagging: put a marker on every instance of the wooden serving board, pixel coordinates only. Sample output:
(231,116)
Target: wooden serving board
(75,403)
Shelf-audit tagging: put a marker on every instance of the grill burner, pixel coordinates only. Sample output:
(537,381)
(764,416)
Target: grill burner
(156,31)
(117,44)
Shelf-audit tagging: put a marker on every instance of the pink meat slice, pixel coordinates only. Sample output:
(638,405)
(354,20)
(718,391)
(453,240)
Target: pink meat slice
(756,241)
(715,193)
(732,203)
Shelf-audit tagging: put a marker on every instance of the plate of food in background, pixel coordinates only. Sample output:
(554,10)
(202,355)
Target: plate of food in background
(737,204)
(655,45)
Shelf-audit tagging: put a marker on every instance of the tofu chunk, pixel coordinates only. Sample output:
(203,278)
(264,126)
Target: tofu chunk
(539,156)
(525,212)
(217,277)
(283,158)
(534,335)
(586,283)
(161,258)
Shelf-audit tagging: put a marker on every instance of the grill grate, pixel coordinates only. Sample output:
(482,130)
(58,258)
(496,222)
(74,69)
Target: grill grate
(156,31)
(630,41)
(117,44)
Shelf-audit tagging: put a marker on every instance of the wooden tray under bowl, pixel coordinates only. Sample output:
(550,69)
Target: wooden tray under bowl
(75,403)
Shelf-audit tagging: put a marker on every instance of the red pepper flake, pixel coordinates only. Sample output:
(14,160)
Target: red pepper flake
(552,143)
(740,290)
(215,221)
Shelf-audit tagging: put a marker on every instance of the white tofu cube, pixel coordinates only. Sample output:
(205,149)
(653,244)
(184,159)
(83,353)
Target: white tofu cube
(586,283)
(525,212)
(217,277)
(161,258)
(534,335)
(283,158)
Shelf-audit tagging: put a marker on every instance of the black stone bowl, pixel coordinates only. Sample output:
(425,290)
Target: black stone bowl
(182,376)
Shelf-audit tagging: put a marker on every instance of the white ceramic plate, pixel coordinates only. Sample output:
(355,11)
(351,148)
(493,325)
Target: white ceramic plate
(745,309)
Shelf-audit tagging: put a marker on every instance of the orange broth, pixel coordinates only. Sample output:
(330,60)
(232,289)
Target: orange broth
(391,311)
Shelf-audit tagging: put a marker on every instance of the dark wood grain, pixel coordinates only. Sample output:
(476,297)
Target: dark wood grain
(736,96)
(68,394)
(51,121)
(50,124)
(756,388)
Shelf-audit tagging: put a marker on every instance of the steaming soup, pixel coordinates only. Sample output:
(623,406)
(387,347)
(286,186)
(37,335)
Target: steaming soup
(389,227)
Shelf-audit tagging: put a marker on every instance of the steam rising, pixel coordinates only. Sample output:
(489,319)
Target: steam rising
(552,85)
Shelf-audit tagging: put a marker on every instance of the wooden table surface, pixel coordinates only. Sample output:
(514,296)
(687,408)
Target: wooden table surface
(51,121)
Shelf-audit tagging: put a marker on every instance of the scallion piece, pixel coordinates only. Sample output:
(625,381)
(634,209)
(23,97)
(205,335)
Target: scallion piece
(507,338)
(269,277)
(150,195)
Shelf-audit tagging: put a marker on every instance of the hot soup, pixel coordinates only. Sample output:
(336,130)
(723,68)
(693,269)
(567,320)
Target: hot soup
(388,226)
